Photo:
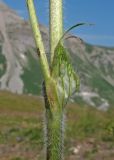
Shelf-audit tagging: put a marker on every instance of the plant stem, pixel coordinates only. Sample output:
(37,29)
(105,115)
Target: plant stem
(38,39)
(54,132)
(54,135)
(54,112)
(56,24)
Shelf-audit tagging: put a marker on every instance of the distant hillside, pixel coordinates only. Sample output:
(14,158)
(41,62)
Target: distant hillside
(20,71)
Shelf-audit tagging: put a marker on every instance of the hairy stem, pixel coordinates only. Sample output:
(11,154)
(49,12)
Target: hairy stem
(54,132)
(54,112)
(54,135)
(56,24)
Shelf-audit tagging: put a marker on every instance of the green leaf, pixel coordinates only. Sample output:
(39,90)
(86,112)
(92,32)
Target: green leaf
(71,28)
(63,73)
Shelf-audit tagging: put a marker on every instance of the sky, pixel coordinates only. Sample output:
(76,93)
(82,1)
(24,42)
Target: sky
(98,12)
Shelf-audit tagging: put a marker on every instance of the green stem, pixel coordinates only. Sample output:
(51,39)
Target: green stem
(38,39)
(54,135)
(54,123)
(54,110)
(56,24)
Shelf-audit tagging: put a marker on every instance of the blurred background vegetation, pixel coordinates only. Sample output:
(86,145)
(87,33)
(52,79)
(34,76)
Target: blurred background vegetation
(22,137)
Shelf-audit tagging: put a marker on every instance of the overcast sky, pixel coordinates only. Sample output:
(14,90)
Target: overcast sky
(99,12)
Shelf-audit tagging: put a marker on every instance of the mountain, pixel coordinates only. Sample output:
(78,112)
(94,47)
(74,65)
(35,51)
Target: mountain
(20,70)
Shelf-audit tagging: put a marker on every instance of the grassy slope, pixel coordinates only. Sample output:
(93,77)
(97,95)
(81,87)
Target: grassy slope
(21,128)
(20,125)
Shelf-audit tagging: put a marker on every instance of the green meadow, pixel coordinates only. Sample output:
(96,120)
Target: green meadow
(21,129)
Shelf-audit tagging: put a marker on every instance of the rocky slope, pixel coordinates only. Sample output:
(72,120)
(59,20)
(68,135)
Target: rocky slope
(20,71)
